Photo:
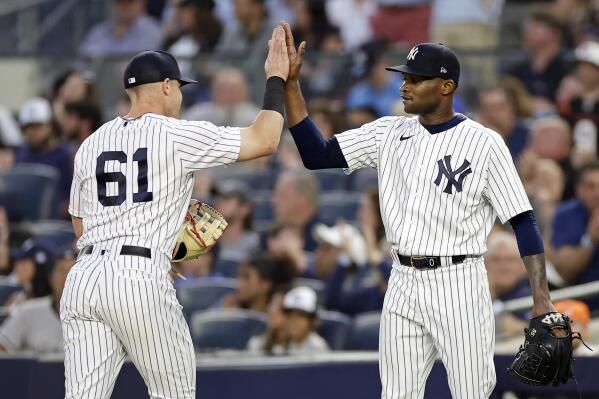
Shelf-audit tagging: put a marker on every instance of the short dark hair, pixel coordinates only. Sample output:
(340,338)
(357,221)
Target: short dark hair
(547,18)
(278,270)
(592,166)
(86,110)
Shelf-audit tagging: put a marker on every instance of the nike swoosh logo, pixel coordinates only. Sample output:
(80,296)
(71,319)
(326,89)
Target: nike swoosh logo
(402,138)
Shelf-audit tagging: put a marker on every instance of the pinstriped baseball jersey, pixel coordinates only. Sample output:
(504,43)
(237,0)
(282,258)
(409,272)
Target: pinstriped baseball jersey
(440,192)
(133,177)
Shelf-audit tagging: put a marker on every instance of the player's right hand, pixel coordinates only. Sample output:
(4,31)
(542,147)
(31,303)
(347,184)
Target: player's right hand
(295,56)
(277,60)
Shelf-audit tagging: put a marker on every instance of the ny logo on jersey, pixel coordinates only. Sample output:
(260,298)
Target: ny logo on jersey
(413,53)
(455,178)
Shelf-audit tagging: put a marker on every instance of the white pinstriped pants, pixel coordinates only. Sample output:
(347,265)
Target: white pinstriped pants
(444,312)
(113,306)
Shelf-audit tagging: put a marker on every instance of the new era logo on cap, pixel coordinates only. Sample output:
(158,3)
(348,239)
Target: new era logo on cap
(131,80)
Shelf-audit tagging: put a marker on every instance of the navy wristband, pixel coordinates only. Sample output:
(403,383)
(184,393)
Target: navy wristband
(527,233)
(274,95)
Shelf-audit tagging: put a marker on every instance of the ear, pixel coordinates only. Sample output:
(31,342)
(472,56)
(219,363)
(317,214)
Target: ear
(166,86)
(448,87)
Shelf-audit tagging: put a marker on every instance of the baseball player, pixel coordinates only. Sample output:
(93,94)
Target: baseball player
(443,180)
(131,190)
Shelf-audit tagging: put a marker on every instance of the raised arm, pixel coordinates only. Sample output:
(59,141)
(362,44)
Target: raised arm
(262,137)
(295,105)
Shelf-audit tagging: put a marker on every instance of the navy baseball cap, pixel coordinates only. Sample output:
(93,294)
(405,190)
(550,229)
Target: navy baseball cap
(431,60)
(152,66)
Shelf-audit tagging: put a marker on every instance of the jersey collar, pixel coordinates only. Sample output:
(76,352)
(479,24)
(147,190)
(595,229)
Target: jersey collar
(441,127)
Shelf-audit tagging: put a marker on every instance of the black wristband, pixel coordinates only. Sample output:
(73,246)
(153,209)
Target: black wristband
(273,96)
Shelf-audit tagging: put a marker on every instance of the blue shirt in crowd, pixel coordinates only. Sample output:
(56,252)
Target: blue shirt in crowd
(363,95)
(569,226)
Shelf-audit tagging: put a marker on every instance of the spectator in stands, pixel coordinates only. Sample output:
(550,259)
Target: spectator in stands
(292,326)
(72,86)
(274,339)
(577,17)
(295,200)
(238,241)
(497,109)
(200,30)
(378,87)
(469,25)
(128,31)
(507,277)
(10,134)
(31,265)
(356,117)
(34,325)
(326,115)
(580,317)
(545,189)
(4,243)
(352,17)
(288,157)
(549,139)
(574,247)
(230,105)
(583,110)
(43,146)
(82,118)
(311,23)
(286,240)
(546,65)
(258,280)
(393,14)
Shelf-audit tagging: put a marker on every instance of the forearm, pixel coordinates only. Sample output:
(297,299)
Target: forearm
(315,151)
(535,266)
(570,261)
(267,128)
(295,105)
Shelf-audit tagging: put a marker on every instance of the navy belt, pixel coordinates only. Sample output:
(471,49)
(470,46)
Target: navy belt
(428,262)
(125,250)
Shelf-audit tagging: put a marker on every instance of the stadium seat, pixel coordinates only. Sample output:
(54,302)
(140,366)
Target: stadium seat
(58,232)
(364,334)
(332,179)
(363,179)
(254,179)
(338,205)
(227,268)
(204,294)
(225,329)
(334,328)
(6,290)
(28,192)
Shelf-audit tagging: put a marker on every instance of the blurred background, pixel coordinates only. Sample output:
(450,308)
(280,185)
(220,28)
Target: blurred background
(288,303)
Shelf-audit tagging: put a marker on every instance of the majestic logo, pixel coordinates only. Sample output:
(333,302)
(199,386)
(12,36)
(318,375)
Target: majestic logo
(413,53)
(455,178)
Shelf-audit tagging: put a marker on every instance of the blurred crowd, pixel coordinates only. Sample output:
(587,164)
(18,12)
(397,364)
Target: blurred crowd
(305,254)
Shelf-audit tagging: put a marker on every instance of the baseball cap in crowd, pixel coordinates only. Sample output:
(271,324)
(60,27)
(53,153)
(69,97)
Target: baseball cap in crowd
(574,309)
(588,52)
(35,110)
(152,66)
(231,188)
(301,299)
(344,236)
(431,60)
(39,251)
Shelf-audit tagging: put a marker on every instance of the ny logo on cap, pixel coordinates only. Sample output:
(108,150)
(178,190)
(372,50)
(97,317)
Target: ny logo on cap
(413,53)
(131,80)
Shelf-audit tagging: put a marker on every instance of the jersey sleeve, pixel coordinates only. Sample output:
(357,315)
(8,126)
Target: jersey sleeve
(360,146)
(504,189)
(202,145)
(76,201)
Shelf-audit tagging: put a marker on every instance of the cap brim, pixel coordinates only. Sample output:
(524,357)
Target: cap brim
(410,70)
(185,81)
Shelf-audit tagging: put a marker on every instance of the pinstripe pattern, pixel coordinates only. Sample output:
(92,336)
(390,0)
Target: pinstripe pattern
(429,209)
(115,306)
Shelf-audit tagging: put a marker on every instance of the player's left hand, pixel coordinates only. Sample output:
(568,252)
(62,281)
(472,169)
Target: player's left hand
(544,307)
(277,60)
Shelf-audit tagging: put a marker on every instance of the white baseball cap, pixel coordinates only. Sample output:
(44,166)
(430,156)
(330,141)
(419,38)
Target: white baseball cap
(588,52)
(303,299)
(35,110)
(339,235)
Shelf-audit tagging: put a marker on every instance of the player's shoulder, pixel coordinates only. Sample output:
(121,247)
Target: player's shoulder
(385,123)
(174,124)
(489,135)
(98,135)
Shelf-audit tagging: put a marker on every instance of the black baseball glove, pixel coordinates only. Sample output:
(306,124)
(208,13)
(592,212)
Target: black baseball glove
(544,358)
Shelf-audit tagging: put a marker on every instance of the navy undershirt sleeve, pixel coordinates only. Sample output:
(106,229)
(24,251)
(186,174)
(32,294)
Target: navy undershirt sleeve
(527,233)
(316,152)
